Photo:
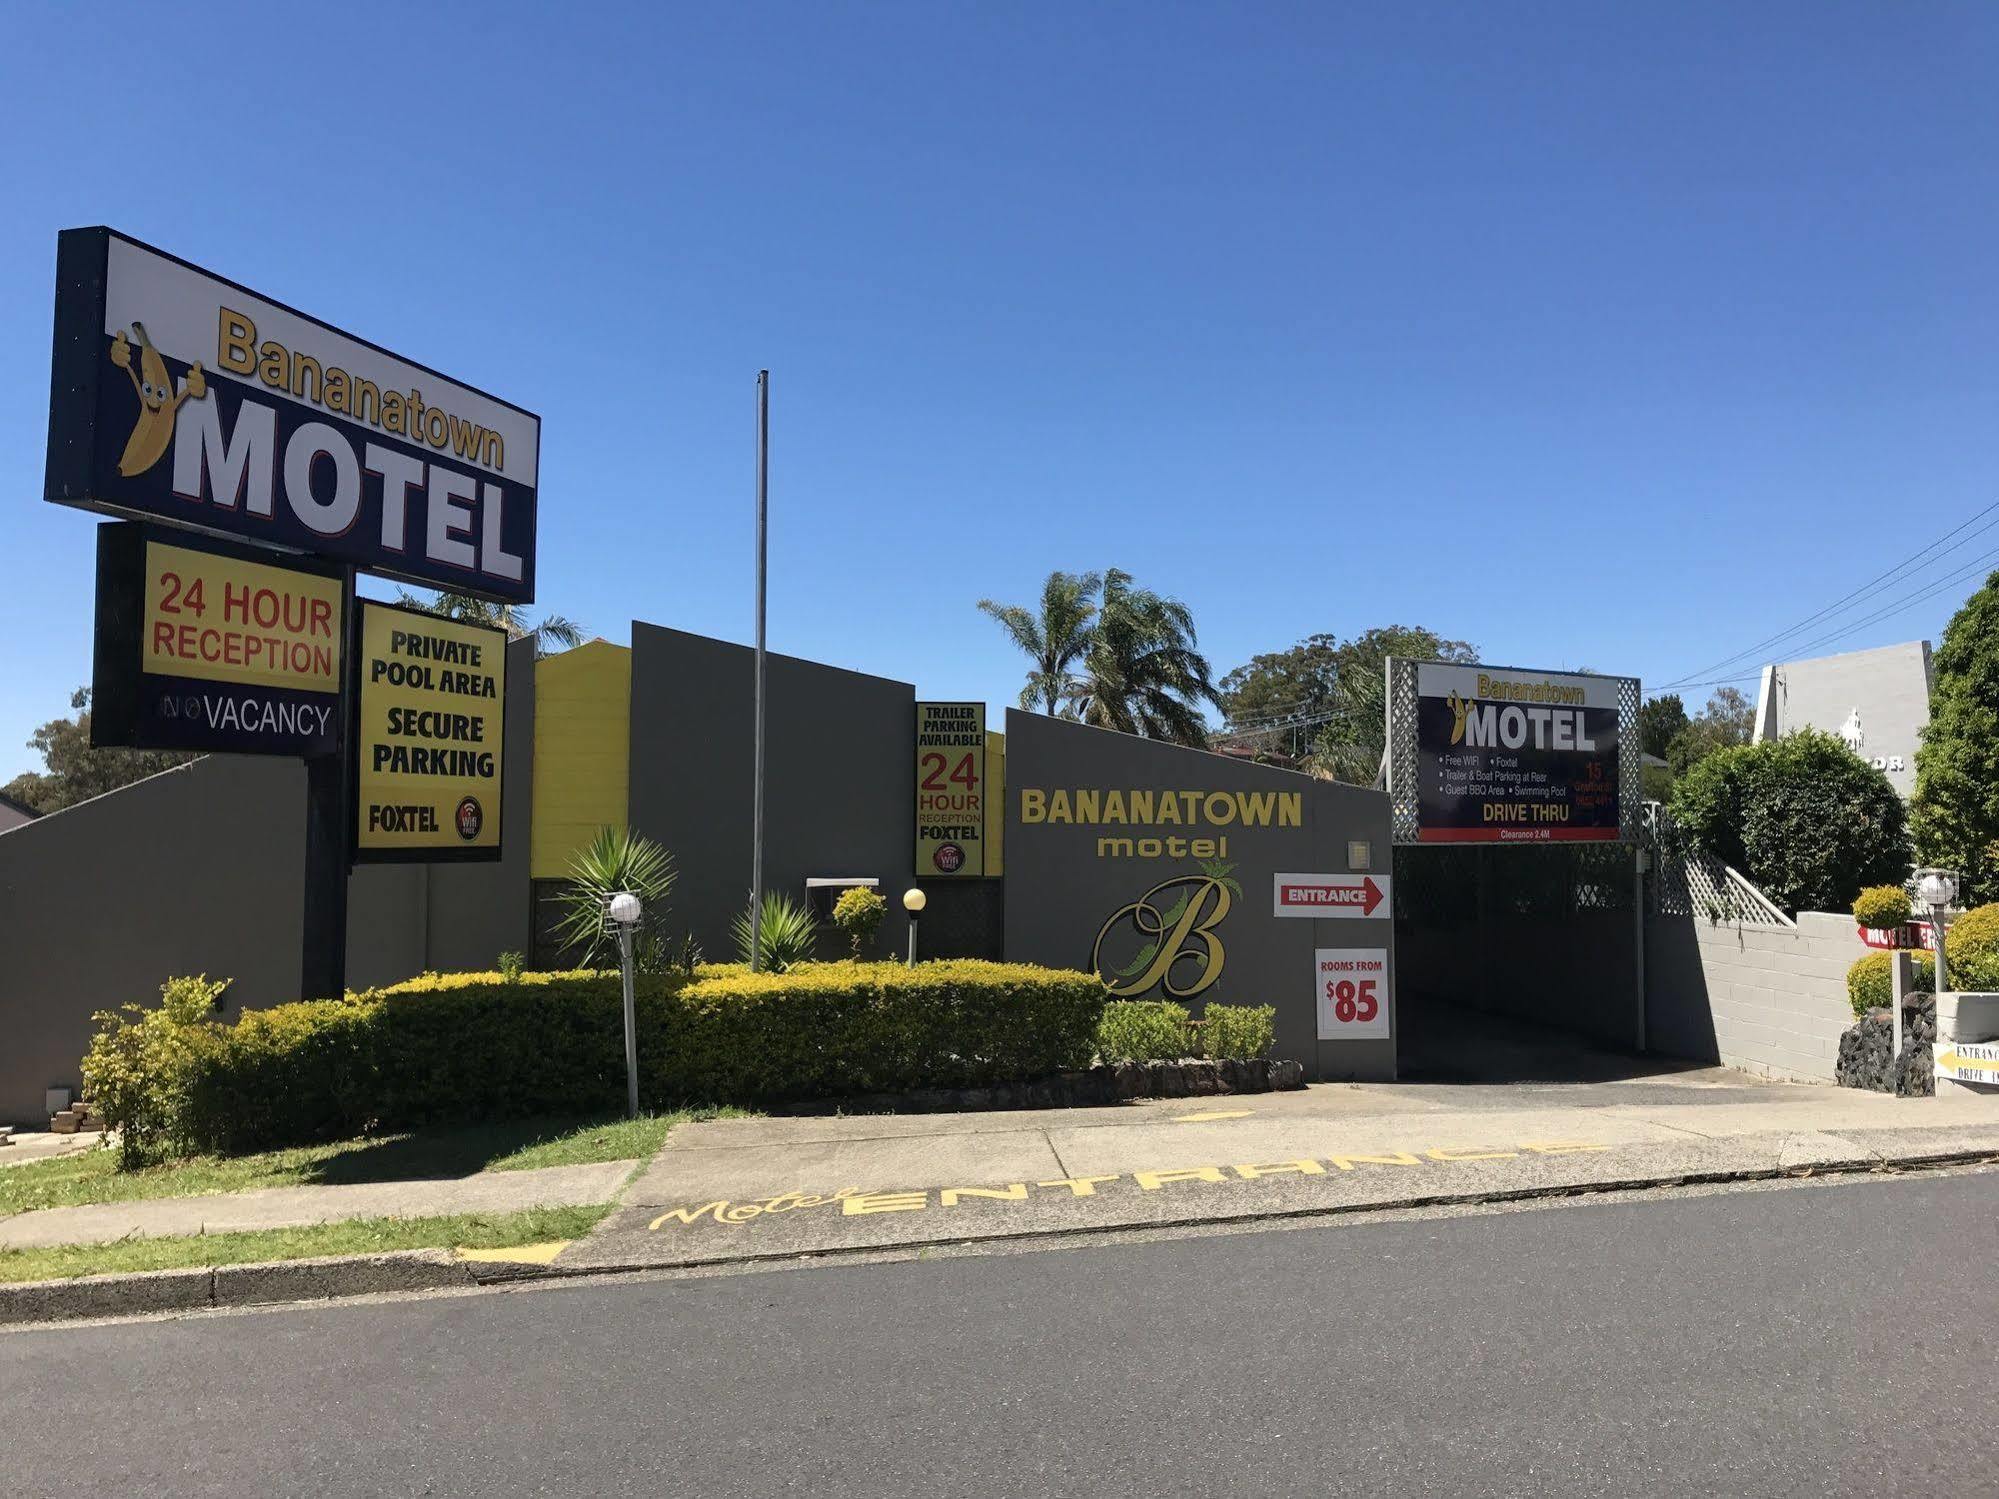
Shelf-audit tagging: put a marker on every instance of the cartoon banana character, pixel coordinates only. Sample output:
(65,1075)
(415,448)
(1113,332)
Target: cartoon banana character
(158,400)
(1460,706)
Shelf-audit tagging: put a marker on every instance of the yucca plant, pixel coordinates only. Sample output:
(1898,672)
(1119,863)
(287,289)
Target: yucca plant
(787,930)
(615,859)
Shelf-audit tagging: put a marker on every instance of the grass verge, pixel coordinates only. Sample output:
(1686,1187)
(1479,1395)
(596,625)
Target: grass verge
(358,1236)
(509,1145)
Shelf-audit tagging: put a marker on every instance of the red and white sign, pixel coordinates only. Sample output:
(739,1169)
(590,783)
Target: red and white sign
(1329,895)
(1352,985)
(1914,935)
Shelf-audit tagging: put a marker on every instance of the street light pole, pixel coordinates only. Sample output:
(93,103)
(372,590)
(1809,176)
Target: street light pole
(624,914)
(913,901)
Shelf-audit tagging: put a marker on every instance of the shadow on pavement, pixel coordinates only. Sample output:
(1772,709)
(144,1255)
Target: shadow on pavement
(1447,1043)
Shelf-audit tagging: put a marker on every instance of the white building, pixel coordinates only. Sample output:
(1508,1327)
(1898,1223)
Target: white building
(1877,701)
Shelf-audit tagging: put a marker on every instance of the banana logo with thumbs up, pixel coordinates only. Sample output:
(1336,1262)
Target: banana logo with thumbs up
(158,401)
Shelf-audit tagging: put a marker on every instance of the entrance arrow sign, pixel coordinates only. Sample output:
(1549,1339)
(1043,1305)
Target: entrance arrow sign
(1327,896)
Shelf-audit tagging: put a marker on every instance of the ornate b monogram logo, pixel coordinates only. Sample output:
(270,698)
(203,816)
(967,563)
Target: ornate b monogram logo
(1173,925)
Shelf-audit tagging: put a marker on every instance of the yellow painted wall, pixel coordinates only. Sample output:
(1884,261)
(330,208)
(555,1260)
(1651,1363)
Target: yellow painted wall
(582,751)
(995,805)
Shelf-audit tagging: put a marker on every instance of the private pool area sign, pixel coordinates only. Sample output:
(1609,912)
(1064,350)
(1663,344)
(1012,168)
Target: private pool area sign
(184,398)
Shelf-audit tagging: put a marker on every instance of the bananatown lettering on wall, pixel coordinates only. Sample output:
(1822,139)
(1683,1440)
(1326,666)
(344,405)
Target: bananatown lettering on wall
(203,645)
(182,397)
(429,748)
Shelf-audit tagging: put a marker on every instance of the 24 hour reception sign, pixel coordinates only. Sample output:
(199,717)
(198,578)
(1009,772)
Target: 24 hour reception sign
(203,645)
(182,397)
(1515,757)
(433,702)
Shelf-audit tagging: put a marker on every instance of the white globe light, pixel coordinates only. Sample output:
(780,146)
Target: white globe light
(1935,887)
(625,908)
(913,900)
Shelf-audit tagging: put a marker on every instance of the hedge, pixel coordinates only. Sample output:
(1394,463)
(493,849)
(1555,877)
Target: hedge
(1971,950)
(1144,1030)
(473,1046)
(1883,907)
(1870,986)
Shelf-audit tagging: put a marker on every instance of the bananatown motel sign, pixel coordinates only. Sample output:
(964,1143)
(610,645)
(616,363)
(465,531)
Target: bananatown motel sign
(261,459)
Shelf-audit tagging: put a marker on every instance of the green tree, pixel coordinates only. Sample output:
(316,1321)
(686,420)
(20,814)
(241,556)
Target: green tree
(1956,815)
(1355,737)
(1727,720)
(1053,637)
(75,771)
(1141,673)
(1803,816)
(1659,720)
(1299,682)
(554,633)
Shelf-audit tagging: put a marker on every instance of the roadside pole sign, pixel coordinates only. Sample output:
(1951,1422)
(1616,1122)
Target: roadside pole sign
(1500,755)
(429,739)
(286,456)
(1332,896)
(951,791)
(203,645)
(181,397)
(1969,1062)
(1352,993)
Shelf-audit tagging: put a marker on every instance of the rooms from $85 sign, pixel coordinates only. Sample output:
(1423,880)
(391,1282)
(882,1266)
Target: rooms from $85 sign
(433,696)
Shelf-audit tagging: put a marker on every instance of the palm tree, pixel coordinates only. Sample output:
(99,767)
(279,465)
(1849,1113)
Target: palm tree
(554,633)
(1141,673)
(1055,639)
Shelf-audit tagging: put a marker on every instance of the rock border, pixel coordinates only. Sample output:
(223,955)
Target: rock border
(1089,1087)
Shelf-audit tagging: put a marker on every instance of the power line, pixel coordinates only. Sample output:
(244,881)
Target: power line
(1873,586)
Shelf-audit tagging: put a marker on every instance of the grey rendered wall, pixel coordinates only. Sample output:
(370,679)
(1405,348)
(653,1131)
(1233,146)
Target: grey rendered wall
(1889,685)
(199,870)
(1771,1000)
(839,777)
(1060,891)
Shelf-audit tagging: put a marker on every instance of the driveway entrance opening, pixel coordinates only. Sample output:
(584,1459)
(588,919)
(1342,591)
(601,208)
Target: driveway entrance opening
(1519,964)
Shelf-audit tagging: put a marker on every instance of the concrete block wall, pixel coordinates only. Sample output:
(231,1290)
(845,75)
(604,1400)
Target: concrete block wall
(1777,996)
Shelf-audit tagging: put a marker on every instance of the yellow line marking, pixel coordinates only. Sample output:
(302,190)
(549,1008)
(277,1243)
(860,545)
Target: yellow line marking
(520,1254)
(1213,1114)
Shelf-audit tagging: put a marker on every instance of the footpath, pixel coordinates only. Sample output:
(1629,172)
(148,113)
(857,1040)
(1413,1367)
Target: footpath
(762,1189)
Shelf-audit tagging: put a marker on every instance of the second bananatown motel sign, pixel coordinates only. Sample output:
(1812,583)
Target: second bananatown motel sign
(264,458)
(1485,754)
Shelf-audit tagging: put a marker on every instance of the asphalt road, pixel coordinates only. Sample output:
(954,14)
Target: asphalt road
(1828,1339)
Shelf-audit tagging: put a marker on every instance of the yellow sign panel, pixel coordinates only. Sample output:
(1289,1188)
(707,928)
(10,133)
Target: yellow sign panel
(951,792)
(221,619)
(433,707)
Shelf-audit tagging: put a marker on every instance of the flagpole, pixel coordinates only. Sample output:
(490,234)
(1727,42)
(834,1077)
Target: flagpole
(763,552)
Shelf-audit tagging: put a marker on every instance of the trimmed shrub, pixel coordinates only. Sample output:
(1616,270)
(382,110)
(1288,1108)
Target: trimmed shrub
(138,1070)
(1144,1030)
(1238,1033)
(858,914)
(1971,950)
(1803,816)
(1870,986)
(473,1046)
(1883,907)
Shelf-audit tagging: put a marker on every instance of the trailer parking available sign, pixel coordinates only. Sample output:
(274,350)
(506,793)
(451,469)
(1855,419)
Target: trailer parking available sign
(1515,756)
(202,645)
(182,397)
(950,789)
(433,699)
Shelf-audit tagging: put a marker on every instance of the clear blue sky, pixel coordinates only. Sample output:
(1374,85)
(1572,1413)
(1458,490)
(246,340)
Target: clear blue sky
(1592,334)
